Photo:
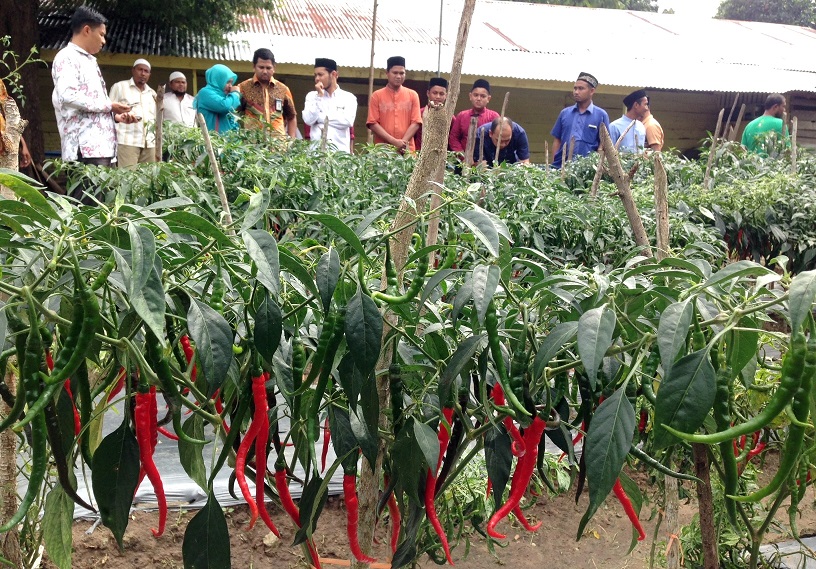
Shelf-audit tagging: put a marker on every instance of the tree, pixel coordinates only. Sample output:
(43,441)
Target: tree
(186,19)
(638,5)
(793,12)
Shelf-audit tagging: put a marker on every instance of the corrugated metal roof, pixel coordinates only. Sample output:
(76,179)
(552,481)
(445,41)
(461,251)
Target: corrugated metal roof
(522,41)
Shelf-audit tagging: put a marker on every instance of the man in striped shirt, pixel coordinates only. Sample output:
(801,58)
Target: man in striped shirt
(136,141)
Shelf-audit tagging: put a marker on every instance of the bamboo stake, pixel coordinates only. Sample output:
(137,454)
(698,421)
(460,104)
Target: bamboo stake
(794,128)
(159,121)
(324,136)
(471,141)
(226,215)
(711,151)
(672,507)
(546,155)
(596,181)
(430,160)
(661,192)
(571,149)
(738,123)
(501,127)
(730,114)
(371,63)
(622,182)
(481,146)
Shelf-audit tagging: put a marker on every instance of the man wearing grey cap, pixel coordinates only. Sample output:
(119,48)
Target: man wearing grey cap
(178,103)
(136,141)
(328,100)
(579,125)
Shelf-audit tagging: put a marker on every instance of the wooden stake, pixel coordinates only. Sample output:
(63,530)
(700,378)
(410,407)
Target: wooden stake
(471,141)
(596,181)
(712,150)
(622,182)
(738,123)
(324,136)
(371,63)
(672,506)
(501,126)
(481,147)
(730,114)
(705,506)
(623,134)
(661,192)
(794,128)
(226,215)
(10,541)
(546,155)
(159,121)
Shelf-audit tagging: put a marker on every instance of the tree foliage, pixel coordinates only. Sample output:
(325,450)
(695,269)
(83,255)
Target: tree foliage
(639,5)
(793,12)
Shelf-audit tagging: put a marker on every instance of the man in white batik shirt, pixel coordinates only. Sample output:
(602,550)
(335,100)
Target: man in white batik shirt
(329,100)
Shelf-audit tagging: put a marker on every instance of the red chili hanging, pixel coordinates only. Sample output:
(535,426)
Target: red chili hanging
(430,482)
(189,354)
(396,521)
(517,446)
(240,474)
(261,438)
(146,426)
(326,441)
(620,494)
(352,517)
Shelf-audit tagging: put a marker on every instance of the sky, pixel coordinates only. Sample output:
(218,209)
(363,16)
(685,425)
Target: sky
(699,8)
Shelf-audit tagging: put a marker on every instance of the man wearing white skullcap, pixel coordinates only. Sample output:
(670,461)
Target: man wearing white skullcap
(136,141)
(178,104)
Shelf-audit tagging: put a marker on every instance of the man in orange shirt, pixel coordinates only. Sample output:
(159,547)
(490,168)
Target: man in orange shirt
(393,111)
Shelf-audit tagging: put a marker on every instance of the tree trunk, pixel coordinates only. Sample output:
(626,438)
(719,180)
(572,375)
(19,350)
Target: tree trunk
(705,501)
(430,162)
(371,63)
(661,207)
(9,541)
(159,123)
(672,507)
(18,19)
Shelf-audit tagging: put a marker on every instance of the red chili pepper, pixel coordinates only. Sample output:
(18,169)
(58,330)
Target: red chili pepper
(145,420)
(240,474)
(49,361)
(168,434)
(189,353)
(352,517)
(289,506)
(517,446)
(261,438)
(644,419)
(430,482)
(326,441)
(120,384)
(521,478)
(620,494)
(517,511)
(489,487)
(396,521)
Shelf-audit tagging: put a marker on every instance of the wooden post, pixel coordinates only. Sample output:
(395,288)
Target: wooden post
(737,124)
(501,126)
(794,128)
(324,136)
(596,181)
(705,505)
(622,182)
(623,134)
(546,155)
(712,150)
(672,508)
(471,141)
(730,114)
(159,121)
(9,541)
(226,215)
(481,147)
(371,63)
(661,192)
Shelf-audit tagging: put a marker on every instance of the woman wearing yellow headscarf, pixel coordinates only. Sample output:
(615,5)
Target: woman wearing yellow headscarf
(12,126)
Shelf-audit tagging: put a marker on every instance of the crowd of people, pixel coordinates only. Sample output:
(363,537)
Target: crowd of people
(103,128)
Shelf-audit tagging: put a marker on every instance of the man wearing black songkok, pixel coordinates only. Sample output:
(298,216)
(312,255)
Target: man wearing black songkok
(479,98)
(393,111)
(634,136)
(329,100)
(437,93)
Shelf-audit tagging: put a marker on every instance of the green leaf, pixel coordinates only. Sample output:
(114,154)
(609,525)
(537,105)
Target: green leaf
(268,328)
(364,328)
(148,302)
(143,255)
(428,442)
(351,380)
(433,282)
(410,463)
(343,230)
(206,539)
(57,524)
(685,397)
(802,294)
(186,222)
(563,333)
(498,460)
(3,323)
(595,329)
(16,209)
(342,438)
(673,330)
(366,440)
(736,271)
(607,444)
(742,349)
(292,265)
(213,339)
(115,477)
(190,455)
(263,250)
(485,280)
(483,228)
(461,358)
(328,274)
(311,504)
(27,189)
(258,204)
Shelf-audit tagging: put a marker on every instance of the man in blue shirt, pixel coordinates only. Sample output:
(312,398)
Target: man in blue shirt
(510,138)
(579,123)
(636,104)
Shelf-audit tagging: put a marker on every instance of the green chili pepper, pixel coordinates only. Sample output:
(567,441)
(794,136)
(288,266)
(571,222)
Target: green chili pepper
(104,273)
(491,323)
(298,363)
(416,283)
(649,371)
(391,276)
(325,371)
(722,418)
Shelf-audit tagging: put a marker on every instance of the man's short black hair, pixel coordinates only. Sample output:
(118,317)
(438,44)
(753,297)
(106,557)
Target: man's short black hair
(495,124)
(773,100)
(84,16)
(263,53)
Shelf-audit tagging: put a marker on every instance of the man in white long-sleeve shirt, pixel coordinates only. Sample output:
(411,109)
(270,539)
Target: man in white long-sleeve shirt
(86,116)
(178,103)
(328,99)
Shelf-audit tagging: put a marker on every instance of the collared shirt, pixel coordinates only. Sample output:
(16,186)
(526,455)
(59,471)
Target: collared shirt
(583,127)
(82,106)
(267,106)
(340,107)
(143,104)
(764,133)
(461,124)
(179,110)
(418,133)
(654,132)
(395,111)
(518,148)
(634,139)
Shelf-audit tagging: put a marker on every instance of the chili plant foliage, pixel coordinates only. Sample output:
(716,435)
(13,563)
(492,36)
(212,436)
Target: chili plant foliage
(498,339)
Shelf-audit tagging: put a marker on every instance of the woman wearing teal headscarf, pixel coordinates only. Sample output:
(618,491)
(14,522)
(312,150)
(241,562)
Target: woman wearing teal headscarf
(218,100)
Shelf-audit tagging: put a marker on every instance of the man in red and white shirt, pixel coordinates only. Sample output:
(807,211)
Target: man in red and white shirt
(479,98)
(86,116)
